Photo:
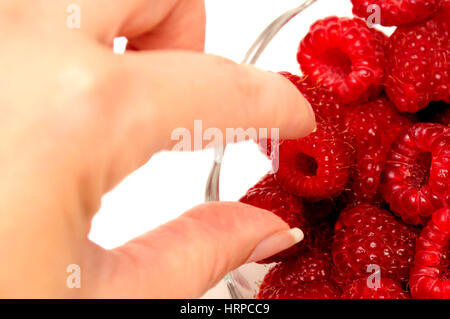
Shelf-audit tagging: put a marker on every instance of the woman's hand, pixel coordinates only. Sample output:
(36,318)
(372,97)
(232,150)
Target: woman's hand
(75,119)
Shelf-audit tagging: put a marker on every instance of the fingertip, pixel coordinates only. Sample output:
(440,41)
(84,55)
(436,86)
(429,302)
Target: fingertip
(300,117)
(281,105)
(276,243)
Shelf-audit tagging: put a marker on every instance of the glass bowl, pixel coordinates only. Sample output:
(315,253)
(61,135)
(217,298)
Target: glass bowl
(244,282)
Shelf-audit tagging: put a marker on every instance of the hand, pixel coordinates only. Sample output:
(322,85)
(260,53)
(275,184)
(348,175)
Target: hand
(76,119)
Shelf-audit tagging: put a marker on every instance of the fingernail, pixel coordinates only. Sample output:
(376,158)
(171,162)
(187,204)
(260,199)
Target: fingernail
(276,243)
(315,128)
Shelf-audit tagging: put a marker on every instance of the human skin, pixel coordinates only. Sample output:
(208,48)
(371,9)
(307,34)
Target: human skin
(75,119)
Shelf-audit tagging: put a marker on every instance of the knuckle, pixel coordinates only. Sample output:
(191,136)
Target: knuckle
(92,91)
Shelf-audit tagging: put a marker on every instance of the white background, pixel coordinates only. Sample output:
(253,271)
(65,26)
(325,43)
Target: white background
(171,183)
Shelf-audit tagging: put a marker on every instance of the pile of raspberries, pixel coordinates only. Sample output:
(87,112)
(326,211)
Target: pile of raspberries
(370,188)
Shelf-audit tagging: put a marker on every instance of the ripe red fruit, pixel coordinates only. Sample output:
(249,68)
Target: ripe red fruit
(266,194)
(373,125)
(344,55)
(418,67)
(366,235)
(416,177)
(365,180)
(304,277)
(389,289)
(324,102)
(312,265)
(430,276)
(318,166)
(398,12)
(307,290)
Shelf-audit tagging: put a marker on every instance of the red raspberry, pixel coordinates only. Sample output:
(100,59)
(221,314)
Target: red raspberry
(366,235)
(344,55)
(373,125)
(307,290)
(266,194)
(365,180)
(430,276)
(316,167)
(314,265)
(397,12)
(418,68)
(416,177)
(389,289)
(304,277)
(324,102)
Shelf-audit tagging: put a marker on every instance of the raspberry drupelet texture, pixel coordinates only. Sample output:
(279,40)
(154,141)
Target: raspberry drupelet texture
(388,289)
(365,179)
(307,290)
(416,177)
(430,276)
(366,235)
(318,166)
(344,55)
(418,64)
(325,103)
(374,123)
(373,126)
(396,12)
(303,277)
(266,194)
(312,265)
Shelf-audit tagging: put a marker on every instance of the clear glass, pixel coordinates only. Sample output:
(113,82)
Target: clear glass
(245,281)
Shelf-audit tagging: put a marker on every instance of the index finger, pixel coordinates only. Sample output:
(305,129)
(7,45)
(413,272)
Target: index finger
(165,90)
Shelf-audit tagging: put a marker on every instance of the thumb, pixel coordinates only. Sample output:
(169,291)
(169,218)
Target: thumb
(189,255)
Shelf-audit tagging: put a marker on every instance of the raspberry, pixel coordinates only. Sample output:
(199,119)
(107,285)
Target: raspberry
(314,265)
(266,194)
(388,289)
(307,290)
(316,167)
(366,177)
(344,55)
(325,103)
(394,12)
(304,277)
(415,179)
(366,235)
(418,64)
(430,276)
(373,125)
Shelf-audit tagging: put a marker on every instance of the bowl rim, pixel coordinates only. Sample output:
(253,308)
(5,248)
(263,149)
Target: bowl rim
(252,56)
